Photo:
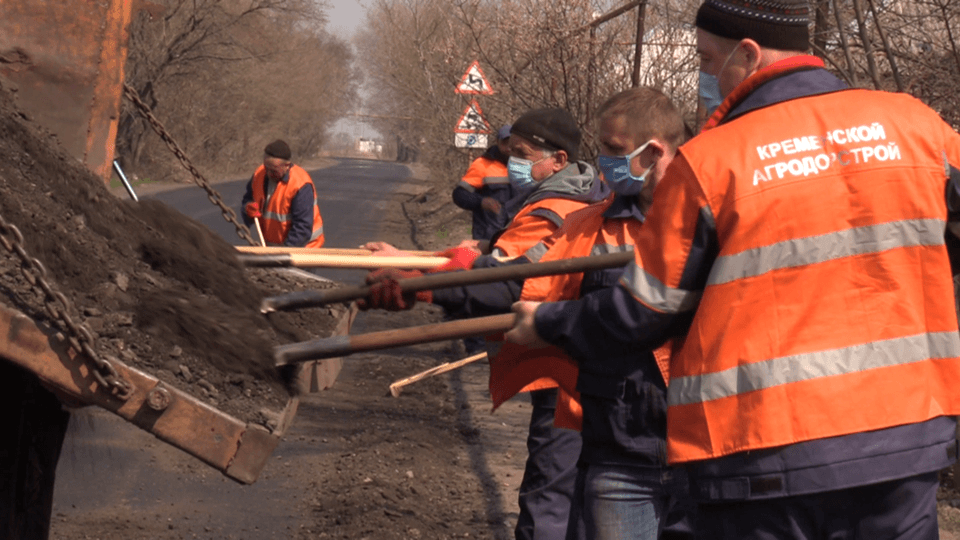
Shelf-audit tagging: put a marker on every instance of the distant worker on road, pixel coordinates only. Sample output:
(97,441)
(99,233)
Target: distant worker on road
(283,197)
(485,190)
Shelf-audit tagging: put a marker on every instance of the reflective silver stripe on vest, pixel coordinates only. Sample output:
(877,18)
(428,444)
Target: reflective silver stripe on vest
(495,180)
(466,186)
(277,217)
(804,367)
(535,253)
(826,247)
(603,249)
(652,292)
(316,234)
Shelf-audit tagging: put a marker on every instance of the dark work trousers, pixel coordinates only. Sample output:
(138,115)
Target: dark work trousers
(32,428)
(550,473)
(903,509)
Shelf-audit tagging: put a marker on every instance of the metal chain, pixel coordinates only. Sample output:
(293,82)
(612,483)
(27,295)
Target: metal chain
(228,213)
(58,307)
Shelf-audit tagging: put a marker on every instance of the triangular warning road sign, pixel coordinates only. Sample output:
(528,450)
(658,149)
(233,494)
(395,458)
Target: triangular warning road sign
(474,82)
(472,121)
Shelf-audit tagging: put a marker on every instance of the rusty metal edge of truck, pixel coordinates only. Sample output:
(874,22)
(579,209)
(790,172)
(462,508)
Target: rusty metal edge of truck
(237,449)
(80,67)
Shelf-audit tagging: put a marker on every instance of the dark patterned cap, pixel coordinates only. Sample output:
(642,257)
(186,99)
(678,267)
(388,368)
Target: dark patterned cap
(553,129)
(774,24)
(278,149)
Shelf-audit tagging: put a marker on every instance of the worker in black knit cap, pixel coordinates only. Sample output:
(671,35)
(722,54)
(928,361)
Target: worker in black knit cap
(282,199)
(551,184)
(797,246)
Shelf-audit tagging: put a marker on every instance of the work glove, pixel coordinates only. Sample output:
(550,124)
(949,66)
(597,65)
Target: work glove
(386,292)
(491,205)
(461,258)
(252,209)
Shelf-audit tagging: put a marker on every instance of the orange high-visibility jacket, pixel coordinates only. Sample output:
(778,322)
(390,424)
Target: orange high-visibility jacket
(829,308)
(585,232)
(547,207)
(530,225)
(276,217)
(484,173)
(486,177)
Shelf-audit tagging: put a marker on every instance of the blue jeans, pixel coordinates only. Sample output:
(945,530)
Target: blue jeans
(623,502)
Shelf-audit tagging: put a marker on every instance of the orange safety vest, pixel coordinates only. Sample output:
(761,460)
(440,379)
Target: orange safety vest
(276,213)
(517,369)
(484,172)
(526,229)
(829,308)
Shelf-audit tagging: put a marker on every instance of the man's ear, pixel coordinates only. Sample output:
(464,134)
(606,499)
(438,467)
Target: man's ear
(655,150)
(753,54)
(560,160)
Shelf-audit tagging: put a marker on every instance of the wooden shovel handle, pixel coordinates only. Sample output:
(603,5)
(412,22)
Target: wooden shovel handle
(337,346)
(323,260)
(302,299)
(276,250)
(432,372)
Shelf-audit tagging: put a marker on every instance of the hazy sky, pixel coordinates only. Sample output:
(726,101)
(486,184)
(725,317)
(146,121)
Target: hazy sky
(345,16)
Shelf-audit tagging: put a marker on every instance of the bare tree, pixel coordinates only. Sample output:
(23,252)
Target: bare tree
(225,76)
(573,54)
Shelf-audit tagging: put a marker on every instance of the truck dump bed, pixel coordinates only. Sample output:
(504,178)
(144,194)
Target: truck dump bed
(66,59)
(238,449)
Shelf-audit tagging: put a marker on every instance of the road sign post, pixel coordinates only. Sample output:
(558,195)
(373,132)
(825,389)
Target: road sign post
(470,140)
(472,129)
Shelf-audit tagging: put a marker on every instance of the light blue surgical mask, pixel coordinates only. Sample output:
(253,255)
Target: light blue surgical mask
(709,91)
(616,172)
(520,171)
(709,87)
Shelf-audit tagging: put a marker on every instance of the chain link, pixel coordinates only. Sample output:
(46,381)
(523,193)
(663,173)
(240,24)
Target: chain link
(58,308)
(228,213)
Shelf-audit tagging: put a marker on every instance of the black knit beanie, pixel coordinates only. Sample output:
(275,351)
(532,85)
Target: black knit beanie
(278,149)
(774,24)
(553,129)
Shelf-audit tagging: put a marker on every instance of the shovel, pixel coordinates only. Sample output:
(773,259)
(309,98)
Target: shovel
(334,347)
(303,299)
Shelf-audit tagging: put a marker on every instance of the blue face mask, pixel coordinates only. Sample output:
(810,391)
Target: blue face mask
(520,171)
(709,91)
(616,172)
(709,87)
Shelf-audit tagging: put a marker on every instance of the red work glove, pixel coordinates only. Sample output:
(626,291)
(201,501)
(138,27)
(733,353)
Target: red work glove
(252,209)
(461,258)
(386,292)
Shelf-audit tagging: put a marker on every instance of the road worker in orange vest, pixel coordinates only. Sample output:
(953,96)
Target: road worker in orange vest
(796,245)
(544,167)
(282,196)
(485,189)
(625,489)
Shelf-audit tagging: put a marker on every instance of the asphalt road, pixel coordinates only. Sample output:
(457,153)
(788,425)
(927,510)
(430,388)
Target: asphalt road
(352,196)
(108,464)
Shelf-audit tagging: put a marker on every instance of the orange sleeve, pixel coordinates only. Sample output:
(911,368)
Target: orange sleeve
(523,233)
(475,174)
